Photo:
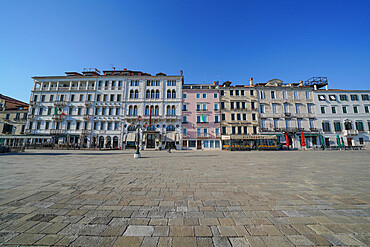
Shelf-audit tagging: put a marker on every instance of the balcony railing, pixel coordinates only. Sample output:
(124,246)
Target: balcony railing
(85,132)
(60,103)
(202,135)
(30,117)
(86,117)
(88,103)
(287,114)
(218,135)
(350,132)
(56,131)
(33,103)
(58,118)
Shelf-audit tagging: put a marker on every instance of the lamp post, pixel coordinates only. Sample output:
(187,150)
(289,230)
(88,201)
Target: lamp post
(137,154)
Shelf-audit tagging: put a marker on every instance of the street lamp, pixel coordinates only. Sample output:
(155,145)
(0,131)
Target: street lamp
(137,154)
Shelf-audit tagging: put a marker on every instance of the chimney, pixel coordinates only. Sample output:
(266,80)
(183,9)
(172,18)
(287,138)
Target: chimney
(215,83)
(181,72)
(251,81)
(124,69)
(301,83)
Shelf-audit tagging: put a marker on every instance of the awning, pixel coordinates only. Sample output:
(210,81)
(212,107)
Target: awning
(24,136)
(273,134)
(311,134)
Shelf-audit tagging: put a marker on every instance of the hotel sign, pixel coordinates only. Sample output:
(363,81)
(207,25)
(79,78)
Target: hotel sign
(249,137)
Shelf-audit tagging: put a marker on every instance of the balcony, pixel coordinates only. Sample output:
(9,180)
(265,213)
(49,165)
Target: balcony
(58,118)
(17,119)
(202,135)
(218,135)
(85,132)
(202,122)
(290,130)
(288,114)
(88,103)
(28,131)
(350,132)
(30,117)
(86,117)
(202,110)
(56,132)
(60,103)
(33,103)
(314,130)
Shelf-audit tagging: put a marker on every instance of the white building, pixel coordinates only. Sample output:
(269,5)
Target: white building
(287,110)
(344,113)
(103,110)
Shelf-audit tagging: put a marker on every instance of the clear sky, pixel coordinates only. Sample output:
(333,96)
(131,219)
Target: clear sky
(208,40)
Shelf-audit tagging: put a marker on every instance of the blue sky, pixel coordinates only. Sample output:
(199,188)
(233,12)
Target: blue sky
(208,40)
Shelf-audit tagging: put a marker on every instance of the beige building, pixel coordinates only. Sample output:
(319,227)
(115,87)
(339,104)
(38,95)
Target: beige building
(239,117)
(13,118)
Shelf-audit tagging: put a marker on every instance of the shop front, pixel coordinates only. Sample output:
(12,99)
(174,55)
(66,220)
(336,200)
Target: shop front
(249,142)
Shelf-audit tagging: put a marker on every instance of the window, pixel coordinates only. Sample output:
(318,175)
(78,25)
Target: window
(215,107)
(244,117)
(72,97)
(198,107)
(243,105)
(198,95)
(106,83)
(222,105)
(147,94)
(118,97)
(308,95)
(237,105)
(322,110)
(295,94)
(43,98)
(222,92)
(245,129)
(46,125)
(49,111)
(262,108)
(204,107)
(284,95)
(135,110)
(233,130)
(68,125)
(136,94)
(217,120)
(262,95)
(89,97)
(215,95)
(136,83)
(361,140)
(242,92)
(173,110)
(168,110)
(343,97)
(185,131)
(112,97)
(7,116)
(348,126)
(236,92)
(41,110)
(198,119)
(105,97)
(274,108)
(321,97)
(168,94)
(157,94)
(251,92)
(204,96)
(117,111)
(337,126)
(231,105)
(263,123)
(355,109)
(354,97)
(223,117)
(254,117)
(332,97)
(131,94)
(326,126)
(239,129)
(223,130)
(366,109)
(78,125)
(184,107)
(286,108)
(184,95)
(299,123)
(211,143)
(333,110)
(173,94)
(231,92)
(344,109)
(276,123)
(359,126)
(232,116)
(311,122)
(51,98)
(272,94)
(309,108)
(238,117)
(365,97)
(297,106)
(184,119)
(81,97)
(152,94)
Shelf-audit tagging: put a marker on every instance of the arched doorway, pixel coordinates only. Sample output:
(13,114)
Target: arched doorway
(115,142)
(108,143)
(101,142)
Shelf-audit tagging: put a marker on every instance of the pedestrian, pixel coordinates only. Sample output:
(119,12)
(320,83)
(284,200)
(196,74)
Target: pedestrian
(169,148)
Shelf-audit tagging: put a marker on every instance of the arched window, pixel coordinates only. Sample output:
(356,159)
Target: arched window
(130,112)
(136,94)
(157,94)
(147,94)
(147,110)
(168,94)
(173,110)
(174,94)
(131,94)
(156,110)
(151,127)
(135,110)
(152,94)
(171,128)
(168,110)
(131,128)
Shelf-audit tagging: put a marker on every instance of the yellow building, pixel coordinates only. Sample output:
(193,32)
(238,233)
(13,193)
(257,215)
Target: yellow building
(13,118)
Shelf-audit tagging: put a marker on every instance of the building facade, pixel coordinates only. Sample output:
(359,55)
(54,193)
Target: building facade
(13,119)
(239,116)
(105,110)
(287,110)
(201,117)
(344,113)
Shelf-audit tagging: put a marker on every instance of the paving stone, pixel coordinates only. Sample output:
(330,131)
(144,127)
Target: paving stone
(113,231)
(204,242)
(203,231)
(209,221)
(149,241)
(54,228)
(255,241)
(66,240)
(255,231)
(161,231)
(227,231)
(221,242)
(299,240)
(275,241)
(25,239)
(128,241)
(49,239)
(181,231)
(320,229)
(318,240)
(164,242)
(271,230)
(184,242)
(107,241)
(139,231)
(92,230)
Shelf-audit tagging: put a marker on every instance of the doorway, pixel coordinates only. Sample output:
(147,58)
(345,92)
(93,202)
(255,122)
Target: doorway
(349,142)
(115,142)
(150,140)
(199,144)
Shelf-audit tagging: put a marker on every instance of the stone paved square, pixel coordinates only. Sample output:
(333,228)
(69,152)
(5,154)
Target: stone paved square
(185,198)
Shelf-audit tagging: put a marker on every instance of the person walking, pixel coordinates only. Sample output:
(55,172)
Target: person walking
(169,148)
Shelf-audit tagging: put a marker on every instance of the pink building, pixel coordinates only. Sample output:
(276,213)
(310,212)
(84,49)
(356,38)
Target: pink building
(201,116)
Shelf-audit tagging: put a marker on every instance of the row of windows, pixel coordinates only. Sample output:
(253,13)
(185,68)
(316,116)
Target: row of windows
(153,83)
(170,110)
(238,130)
(201,119)
(134,94)
(201,107)
(238,117)
(17,116)
(286,108)
(206,143)
(345,109)
(359,125)
(201,131)
(113,84)
(343,97)
(288,123)
(237,92)
(284,95)
(203,95)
